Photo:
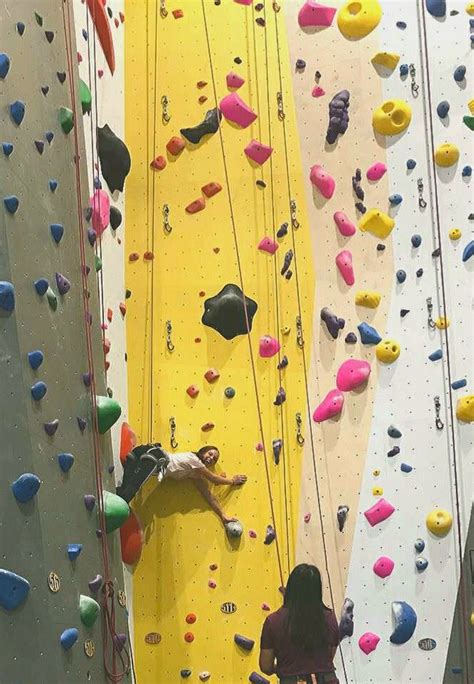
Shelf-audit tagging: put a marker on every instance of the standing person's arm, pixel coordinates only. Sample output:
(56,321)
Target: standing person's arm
(267,651)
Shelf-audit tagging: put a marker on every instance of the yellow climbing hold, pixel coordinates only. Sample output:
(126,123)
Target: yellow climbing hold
(454,234)
(387,351)
(368,298)
(286,330)
(376,472)
(387,59)
(446,154)
(465,409)
(470,104)
(442,323)
(376,222)
(472,619)
(470,9)
(377,491)
(392,117)
(439,522)
(358,19)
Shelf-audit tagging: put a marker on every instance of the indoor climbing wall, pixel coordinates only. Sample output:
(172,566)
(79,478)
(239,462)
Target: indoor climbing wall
(54,464)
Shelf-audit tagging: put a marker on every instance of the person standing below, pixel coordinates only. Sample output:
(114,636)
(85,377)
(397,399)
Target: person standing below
(299,641)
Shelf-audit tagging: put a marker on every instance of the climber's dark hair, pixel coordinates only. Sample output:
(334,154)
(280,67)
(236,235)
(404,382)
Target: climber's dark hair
(304,603)
(203,450)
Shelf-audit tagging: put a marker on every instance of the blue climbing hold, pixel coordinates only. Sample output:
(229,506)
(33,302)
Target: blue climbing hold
(466,172)
(401,275)
(459,384)
(405,619)
(38,390)
(4,65)
(69,637)
(66,462)
(368,334)
(405,468)
(39,146)
(41,286)
(437,8)
(436,355)
(419,545)
(456,670)
(17,111)
(20,27)
(7,296)
(73,551)
(11,203)
(7,149)
(395,200)
(13,589)
(468,251)
(49,135)
(459,73)
(443,109)
(35,359)
(421,564)
(416,240)
(53,184)
(403,69)
(25,487)
(57,231)
(411,163)
(401,25)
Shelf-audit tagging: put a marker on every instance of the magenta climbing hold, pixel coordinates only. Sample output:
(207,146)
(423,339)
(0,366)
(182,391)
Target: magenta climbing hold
(233,80)
(344,264)
(100,204)
(376,171)
(380,511)
(352,374)
(330,407)
(383,566)
(312,14)
(368,642)
(268,245)
(258,152)
(318,91)
(322,181)
(234,109)
(269,346)
(344,225)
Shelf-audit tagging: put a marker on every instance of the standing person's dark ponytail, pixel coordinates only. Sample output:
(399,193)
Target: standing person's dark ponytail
(304,602)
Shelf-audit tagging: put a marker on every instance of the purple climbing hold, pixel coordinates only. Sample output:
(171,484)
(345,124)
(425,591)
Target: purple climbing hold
(393,452)
(51,427)
(82,423)
(255,678)
(277,445)
(401,25)
(244,642)
(25,487)
(338,116)
(351,338)
(4,65)
(17,111)
(11,204)
(35,359)
(41,286)
(270,535)
(63,284)
(300,64)
(38,390)
(57,231)
(39,146)
(7,297)
(20,27)
(287,261)
(89,501)
(333,323)
(120,640)
(86,379)
(283,363)
(282,231)
(280,397)
(96,583)
(49,36)
(65,461)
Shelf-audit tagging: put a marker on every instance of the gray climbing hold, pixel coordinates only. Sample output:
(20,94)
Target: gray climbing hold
(51,427)
(63,284)
(393,452)
(346,623)
(38,390)
(394,432)
(406,468)
(333,323)
(368,334)
(234,529)
(411,163)
(443,109)
(4,65)
(351,338)
(89,501)
(437,8)
(468,251)
(338,116)
(73,551)
(244,642)
(65,461)
(459,73)
(25,487)
(7,297)
(404,618)
(41,286)
(403,69)
(421,564)
(17,111)
(52,299)
(69,637)
(35,359)
(436,355)
(458,384)
(14,589)
(401,275)
(270,535)
(208,126)
(419,545)
(11,203)
(395,200)
(416,240)
(342,513)
(57,231)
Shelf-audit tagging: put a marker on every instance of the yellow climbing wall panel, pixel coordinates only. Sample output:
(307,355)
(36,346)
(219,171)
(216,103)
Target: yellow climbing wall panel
(167,57)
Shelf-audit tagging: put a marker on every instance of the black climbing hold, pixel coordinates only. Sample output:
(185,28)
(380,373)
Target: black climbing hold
(411,163)
(380,247)
(333,322)
(26,487)
(41,286)
(317,75)
(259,6)
(443,109)
(359,193)
(45,90)
(300,64)
(394,432)
(404,312)
(401,25)
(128,294)
(51,427)
(49,36)
(256,678)
(280,397)
(85,35)
(403,69)
(4,65)
(81,423)
(401,275)
(287,261)
(416,240)
(39,19)
(186,673)
(11,203)
(237,60)
(20,27)
(260,183)
(270,535)
(62,283)
(338,116)
(57,231)
(351,338)
(115,218)
(35,359)
(277,445)
(39,146)
(88,214)
(17,111)
(109,12)
(38,390)
(282,231)
(7,296)
(393,452)
(7,149)
(470,217)
(260,21)
(209,126)
(13,589)
(244,642)
(61,76)
(114,156)
(459,73)
(342,513)
(91,236)
(49,135)
(65,461)
(358,175)
(86,379)
(225,312)
(53,184)
(419,273)
(288,274)
(436,252)
(283,363)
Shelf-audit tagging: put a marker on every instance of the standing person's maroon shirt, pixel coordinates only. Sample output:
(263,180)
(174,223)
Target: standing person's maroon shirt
(291,659)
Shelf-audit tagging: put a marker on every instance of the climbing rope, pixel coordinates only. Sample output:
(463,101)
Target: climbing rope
(436,223)
(239,268)
(108,611)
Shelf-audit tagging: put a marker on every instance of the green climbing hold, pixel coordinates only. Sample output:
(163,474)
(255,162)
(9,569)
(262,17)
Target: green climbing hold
(88,610)
(469,121)
(98,263)
(108,413)
(116,511)
(52,299)
(66,119)
(39,19)
(86,97)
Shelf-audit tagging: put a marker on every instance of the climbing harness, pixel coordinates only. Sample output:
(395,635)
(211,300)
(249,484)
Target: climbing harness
(166,219)
(165,114)
(438,422)
(299,434)
(414,85)
(429,306)
(420,186)
(169,342)
(173,442)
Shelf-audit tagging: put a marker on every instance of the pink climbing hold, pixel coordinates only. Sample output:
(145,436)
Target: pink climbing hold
(269,346)
(376,171)
(243,2)
(322,181)
(312,14)
(307,517)
(383,566)
(368,642)
(380,511)
(318,91)
(234,109)
(258,152)
(352,374)
(100,204)
(344,264)
(345,227)
(330,407)
(233,80)
(259,446)
(268,245)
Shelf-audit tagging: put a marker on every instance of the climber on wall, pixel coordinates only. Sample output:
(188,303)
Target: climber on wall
(147,460)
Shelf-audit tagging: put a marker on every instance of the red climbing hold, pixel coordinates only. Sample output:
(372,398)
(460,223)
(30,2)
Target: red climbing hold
(128,440)
(116,22)
(189,637)
(123,308)
(178,13)
(175,145)
(110,314)
(134,256)
(201,84)
(192,391)
(212,375)
(100,73)
(202,99)
(158,163)
(191,618)
(131,539)
(148,256)
(211,189)
(106,345)
(101,23)
(197,205)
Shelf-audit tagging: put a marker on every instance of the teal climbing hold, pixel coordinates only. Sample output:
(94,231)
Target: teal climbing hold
(11,203)
(468,251)
(52,299)
(53,184)
(25,487)
(66,119)
(65,461)
(17,111)
(108,413)
(69,637)
(57,231)
(4,65)
(38,390)
(13,589)
(368,334)
(41,286)
(7,148)
(89,610)
(35,359)
(7,296)
(73,551)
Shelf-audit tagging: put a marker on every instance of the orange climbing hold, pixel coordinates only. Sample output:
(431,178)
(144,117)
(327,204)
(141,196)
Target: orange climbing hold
(201,84)
(123,308)
(207,427)
(122,17)
(191,618)
(211,189)
(128,440)
(131,539)
(212,375)
(148,256)
(189,637)
(178,13)
(197,205)
(158,163)
(102,25)
(202,99)
(134,256)
(175,145)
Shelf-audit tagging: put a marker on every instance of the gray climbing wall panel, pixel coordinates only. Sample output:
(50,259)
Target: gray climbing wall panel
(34,535)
